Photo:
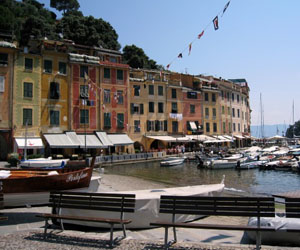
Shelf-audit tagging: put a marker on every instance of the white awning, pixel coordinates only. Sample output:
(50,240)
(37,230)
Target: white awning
(239,136)
(32,142)
(73,137)
(104,139)
(222,138)
(120,139)
(60,141)
(229,137)
(166,138)
(193,125)
(90,141)
(182,139)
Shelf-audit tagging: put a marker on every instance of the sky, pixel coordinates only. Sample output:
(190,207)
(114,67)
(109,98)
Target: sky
(258,40)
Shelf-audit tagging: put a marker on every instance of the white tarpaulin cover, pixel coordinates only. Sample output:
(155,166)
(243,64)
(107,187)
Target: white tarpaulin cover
(32,142)
(147,205)
(279,236)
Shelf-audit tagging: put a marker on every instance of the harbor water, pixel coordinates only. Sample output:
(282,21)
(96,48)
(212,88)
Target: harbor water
(244,182)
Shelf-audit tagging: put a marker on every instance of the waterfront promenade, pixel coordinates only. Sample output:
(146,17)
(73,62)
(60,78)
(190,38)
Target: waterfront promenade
(24,230)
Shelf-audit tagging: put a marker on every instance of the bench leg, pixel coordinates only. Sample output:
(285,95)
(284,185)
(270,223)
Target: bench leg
(46,227)
(258,240)
(124,230)
(166,237)
(111,234)
(175,236)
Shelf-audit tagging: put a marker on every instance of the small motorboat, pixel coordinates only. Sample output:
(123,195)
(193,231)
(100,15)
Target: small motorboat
(45,163)
(172,161)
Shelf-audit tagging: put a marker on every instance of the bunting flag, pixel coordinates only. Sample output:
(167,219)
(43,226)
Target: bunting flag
(225,8)
(216,23)
(216,27)
(201,34)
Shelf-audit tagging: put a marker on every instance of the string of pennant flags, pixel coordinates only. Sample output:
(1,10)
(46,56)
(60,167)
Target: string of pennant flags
(215,23)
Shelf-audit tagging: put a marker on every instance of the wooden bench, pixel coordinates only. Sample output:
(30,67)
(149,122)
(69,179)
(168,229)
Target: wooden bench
(110,202)
(292,210)
(215,206)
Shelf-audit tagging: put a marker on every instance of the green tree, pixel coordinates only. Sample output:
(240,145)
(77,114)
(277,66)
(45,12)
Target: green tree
(135,57)
(65,5)
(293,130)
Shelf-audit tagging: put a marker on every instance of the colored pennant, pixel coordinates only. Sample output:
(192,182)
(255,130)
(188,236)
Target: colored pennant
(201,34)
(180,55)
(225,8)
(216,23)
(190,48)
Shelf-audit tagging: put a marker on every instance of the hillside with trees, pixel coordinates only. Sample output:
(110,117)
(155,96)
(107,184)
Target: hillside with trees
(28,19)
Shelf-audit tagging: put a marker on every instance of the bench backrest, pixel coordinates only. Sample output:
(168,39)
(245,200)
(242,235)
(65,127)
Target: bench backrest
(292,207)
(93,201)
(223,206)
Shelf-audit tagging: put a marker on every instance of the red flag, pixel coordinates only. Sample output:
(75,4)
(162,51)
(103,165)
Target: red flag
(216,23)
(201,34)
(180,55)
(190,48)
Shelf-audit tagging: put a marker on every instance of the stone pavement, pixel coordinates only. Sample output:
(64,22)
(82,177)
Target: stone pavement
(23,229)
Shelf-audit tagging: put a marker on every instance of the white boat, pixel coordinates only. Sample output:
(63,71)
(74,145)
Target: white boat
(251,164)
(44,163)
(147,206)
(278,237)
(172,161)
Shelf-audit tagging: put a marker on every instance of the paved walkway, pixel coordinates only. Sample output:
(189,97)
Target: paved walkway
(23,227)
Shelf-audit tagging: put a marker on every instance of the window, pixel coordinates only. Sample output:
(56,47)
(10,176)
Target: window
(54,118)
(228,110)
(233,127)
(207,128)
(174,94)
(151,107)
(160,90)
(107,120)
(120,97)
(150,125)
(238,113)
(213,97)
(2,84)
(230,129)
(54,90)
(223,110)
(192,109)
(232,97)
(174,126)
(214,113)
(206,97)
(120,120)
(206,113)
(192,95)
(3,59)
(215,127)
(84,70)
(27,117)
(84,91)
(28,89)
(227,96)
(120,75)
(233,112)
(137,108)
(62,68)
(222,94)
(106,98)
(28,63)
(239,127)
(174,107)
(136,90)
(84,116)
(160,107)
(151,89)
(113,59)
(47,66)
(224,127)
(107,73)
(238,98)
(137,126)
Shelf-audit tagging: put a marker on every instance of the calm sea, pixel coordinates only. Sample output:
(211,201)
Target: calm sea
(252,181)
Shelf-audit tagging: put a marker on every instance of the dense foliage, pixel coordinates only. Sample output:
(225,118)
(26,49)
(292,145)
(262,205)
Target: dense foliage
(30,19)
(293,130)
(136,58)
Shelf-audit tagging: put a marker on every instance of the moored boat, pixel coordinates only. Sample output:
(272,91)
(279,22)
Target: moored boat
(45,163)
(172,161)
(19,185)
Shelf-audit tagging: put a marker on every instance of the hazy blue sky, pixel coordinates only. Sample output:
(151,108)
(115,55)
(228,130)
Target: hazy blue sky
(258,40)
